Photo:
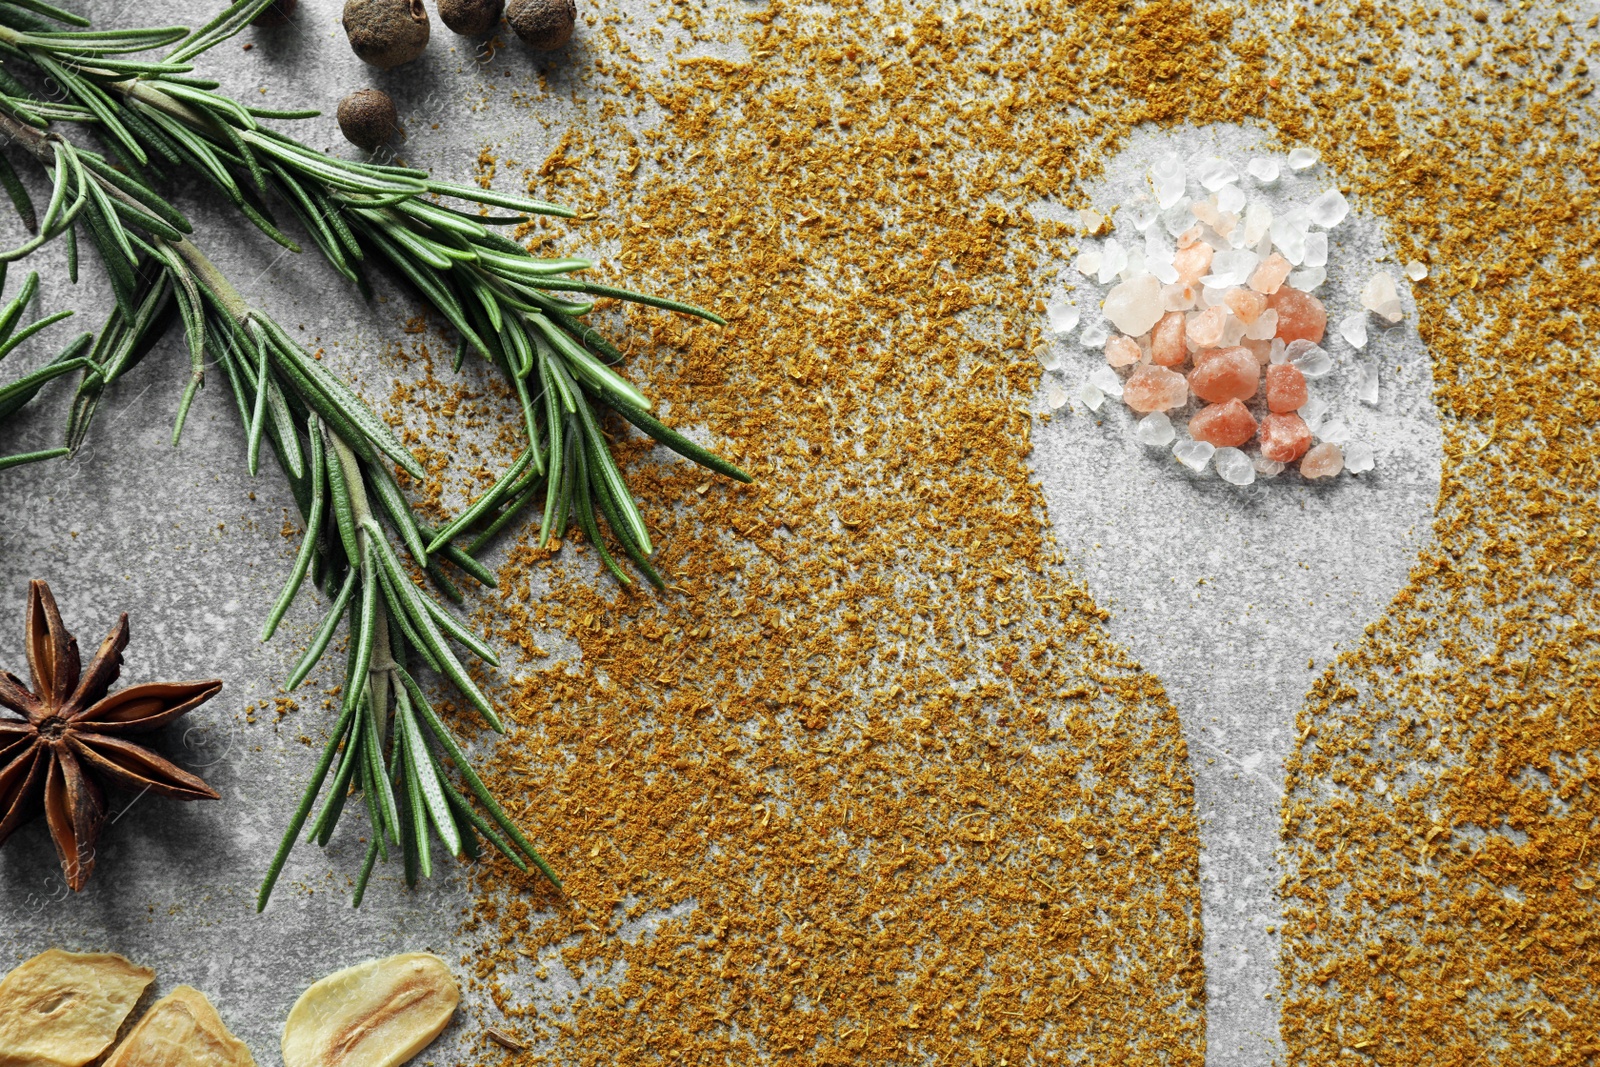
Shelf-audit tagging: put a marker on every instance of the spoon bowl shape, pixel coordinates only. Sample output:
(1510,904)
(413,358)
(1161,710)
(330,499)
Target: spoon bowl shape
(1231,594)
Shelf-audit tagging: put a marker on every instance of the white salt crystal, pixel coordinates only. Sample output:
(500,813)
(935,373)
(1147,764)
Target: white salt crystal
(1177,297)
(1158,247)
(1358,457)
(1050,360)
(1177,218)
(1416,270)
(1094,335)
(1106,380)
(1380,296)
(1263,170)
(1135,264)
(1280,351)
(1056,397)
(1135,305)
(1063,316)
(1193,454)
(1210,236)
(1367,392)
(1312,360)
(1329,209)
(1230,268)
(1335,432)
(1142,212)
(1308,279)
(1312,412)
(1302,157)
(1155,430)
(1353,328)
(1316,250)
(1088,262)
(1257,222)
(1233,328)
(1091,396)
(1215,172)
(1267,468)
(1113,259)
(1289,235)
(1265,327)
(1165,272)
(1234,467)
(1166,177)
(1091,221)
(1230,198)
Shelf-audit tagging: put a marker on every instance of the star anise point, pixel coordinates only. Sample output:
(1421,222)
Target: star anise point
(73,734)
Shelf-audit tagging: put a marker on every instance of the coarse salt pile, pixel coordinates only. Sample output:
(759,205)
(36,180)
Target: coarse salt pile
(1215,318)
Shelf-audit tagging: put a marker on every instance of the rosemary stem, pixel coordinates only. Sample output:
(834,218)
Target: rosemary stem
(380,669)
(34,141)
(216,281)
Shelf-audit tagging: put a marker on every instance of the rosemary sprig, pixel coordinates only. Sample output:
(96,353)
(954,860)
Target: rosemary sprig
(15,394)
(335,452)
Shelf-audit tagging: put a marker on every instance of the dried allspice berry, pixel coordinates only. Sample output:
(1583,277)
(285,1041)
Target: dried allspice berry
(367,118)
(386,33)
(63,1009)
(276,14)
(471,18)
(543,24)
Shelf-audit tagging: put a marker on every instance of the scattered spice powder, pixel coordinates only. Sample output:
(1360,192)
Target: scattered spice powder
(869,783)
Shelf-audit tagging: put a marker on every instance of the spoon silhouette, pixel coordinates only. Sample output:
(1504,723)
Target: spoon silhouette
(1229,595)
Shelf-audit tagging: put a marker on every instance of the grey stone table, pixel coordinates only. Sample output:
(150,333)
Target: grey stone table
(1226,594)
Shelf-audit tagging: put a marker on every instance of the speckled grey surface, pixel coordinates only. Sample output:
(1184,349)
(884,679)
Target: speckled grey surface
(191,547)
(1230,594)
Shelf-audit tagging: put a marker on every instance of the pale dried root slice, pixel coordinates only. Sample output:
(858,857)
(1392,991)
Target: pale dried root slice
(63,1009)
(375,1014)
(181,1029)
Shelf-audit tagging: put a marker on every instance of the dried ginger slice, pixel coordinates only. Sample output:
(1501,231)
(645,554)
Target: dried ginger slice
(376,1014)
(181,1029)
(63,1009)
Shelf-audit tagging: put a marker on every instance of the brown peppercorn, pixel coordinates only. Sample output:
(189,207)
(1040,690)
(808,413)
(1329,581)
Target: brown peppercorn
(368,118)
(386,33)
(542,24)
(276,14)
(471,18)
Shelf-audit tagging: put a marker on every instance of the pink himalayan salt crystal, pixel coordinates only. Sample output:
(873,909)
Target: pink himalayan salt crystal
(1261,349)
(1155,388)
(1247,304)
(1122,350)
(1229,374)
(1324,461)
(1269,276)
(1166,341)
(1301,316)
(1193,263)
(1188,237)
(1205,328)
(1223,425)
(1284,437)
(1286,388)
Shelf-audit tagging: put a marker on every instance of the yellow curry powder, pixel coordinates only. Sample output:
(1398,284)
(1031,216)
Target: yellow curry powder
(869,784)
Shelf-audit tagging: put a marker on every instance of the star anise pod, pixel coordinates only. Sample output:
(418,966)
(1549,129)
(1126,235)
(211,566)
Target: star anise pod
(72,736)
